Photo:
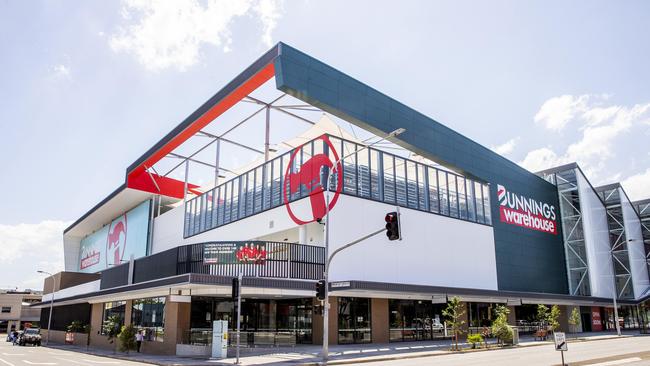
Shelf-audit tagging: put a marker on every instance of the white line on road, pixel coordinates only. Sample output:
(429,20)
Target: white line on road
(85,359)
(617,362)
(39,363)
(73,361)
(7,362)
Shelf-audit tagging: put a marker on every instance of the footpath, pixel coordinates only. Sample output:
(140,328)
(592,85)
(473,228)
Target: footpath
(339,354)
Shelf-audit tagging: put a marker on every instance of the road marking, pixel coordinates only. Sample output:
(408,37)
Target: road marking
(7,362)
(73,361)
(617,362)
(39,363)
(12,354)
(85,359)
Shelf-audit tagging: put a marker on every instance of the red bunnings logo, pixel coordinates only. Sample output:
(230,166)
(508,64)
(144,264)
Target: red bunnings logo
(526,212)
(116,241)
(308,175)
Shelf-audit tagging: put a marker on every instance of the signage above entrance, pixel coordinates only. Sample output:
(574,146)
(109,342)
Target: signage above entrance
(519,210)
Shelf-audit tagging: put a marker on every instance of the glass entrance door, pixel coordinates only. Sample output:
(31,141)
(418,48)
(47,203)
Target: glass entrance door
(354,320)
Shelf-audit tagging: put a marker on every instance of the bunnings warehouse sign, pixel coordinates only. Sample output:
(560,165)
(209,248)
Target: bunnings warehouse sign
(519,210)
(253,252)
(115,243)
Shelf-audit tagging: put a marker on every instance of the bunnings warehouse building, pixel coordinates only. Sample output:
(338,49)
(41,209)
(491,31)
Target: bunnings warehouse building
(239,186)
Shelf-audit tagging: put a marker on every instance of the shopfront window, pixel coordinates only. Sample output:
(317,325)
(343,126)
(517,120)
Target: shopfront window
(111,309)
(148,316)
(354,320)
(414,320)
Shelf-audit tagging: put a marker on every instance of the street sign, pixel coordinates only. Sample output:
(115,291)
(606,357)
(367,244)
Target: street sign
(560,341)
(560,344)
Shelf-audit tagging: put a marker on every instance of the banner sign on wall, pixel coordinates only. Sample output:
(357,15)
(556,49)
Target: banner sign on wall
(596,322)
(516,209)
(115,243)
(254,252)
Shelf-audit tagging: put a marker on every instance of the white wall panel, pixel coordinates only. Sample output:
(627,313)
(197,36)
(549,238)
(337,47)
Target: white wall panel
(596,233)
(636,251)
(436,250)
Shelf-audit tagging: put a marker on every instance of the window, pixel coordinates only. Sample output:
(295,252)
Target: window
(148,316)
(6,309)
(354,320)
(115,308)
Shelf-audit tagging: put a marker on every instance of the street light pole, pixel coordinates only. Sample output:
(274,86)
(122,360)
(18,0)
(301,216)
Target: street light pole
(326,304)
(49,318)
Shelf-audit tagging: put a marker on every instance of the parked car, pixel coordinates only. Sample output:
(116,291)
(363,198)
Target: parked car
(30,336)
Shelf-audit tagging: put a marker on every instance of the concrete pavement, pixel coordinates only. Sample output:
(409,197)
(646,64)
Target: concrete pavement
(531,352)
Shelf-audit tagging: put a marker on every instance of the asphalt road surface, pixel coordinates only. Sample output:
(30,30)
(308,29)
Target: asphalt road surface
(624,351)
(32,356)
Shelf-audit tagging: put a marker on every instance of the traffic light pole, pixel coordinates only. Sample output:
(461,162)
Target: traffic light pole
(326,304)
(238,315)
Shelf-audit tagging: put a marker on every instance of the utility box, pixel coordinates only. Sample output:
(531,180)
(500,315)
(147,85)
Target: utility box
(220,339)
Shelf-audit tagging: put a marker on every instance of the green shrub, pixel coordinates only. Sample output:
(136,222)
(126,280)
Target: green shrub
(473,339)
(127,338)
(500,327)
(75,327)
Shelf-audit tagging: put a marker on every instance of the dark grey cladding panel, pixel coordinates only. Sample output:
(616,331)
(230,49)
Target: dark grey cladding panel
(526,260)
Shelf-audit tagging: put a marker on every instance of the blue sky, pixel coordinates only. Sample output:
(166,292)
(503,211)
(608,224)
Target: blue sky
(87,87)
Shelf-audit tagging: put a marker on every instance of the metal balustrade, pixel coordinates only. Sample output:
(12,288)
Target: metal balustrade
(367,173)
(284,260)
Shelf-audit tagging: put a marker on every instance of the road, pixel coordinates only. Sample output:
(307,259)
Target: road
(33,356)
(623,351)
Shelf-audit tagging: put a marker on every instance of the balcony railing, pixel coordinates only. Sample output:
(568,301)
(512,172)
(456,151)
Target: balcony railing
(366,173)
(283,260)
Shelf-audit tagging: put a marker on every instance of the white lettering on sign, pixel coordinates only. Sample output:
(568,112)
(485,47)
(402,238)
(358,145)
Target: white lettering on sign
(526,212)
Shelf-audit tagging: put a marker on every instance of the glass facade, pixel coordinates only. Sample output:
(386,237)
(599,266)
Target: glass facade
(354,320)
(115,308)
(148,316)
(367,173)
(415,320)
(259,318)
(618,241)
(643,208)
(572,230)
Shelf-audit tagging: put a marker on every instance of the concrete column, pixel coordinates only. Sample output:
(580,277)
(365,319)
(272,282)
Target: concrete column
(379,320)
(512,318)
(564,318)
(128,311)
(302,234)
(273,310)
(317,323)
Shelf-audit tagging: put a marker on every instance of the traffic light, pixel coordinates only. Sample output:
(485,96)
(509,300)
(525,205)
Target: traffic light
(320,290)
(392,226)
(235,288)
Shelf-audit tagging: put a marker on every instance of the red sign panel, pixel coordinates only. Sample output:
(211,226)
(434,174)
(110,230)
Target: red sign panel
(596,322)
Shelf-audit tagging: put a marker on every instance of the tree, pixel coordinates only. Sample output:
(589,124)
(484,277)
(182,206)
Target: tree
(554,318)
(574,319)
(111,327)
(474,339)
(75,327)
(87,329)
(454,313)
(500,327)
(127,338)
(542,314)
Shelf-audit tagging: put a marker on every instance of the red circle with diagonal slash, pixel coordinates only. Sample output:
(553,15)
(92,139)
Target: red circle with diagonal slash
(307,175)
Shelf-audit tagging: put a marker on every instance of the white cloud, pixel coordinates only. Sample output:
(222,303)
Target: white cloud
(507,147)
(556,112)
(27,248)
(60,71)
(637,186)
(163,34)
(599,127)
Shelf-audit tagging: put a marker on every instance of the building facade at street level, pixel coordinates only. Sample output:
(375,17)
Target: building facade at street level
(245,183)
(16,312)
